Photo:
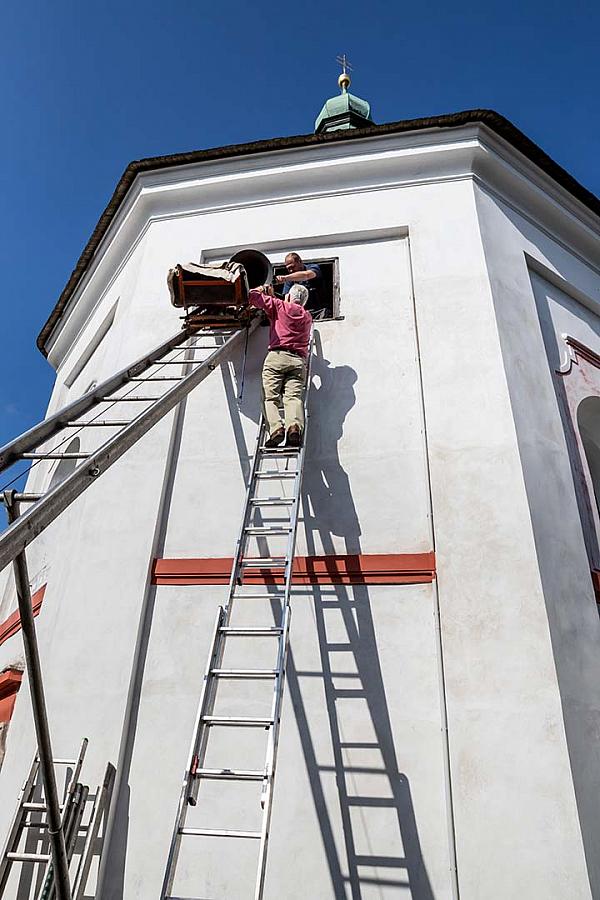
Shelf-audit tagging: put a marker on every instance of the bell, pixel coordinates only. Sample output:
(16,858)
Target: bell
(258,268)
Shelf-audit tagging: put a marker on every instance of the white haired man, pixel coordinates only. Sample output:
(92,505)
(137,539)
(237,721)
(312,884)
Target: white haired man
(284,368)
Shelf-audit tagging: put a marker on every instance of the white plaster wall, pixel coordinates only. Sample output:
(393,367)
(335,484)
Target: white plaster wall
(567,614)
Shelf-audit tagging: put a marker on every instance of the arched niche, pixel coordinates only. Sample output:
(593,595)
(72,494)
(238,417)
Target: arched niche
(588,422)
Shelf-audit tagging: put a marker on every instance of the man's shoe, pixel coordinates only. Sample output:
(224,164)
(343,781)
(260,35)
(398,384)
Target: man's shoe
(275,439)
(294,436)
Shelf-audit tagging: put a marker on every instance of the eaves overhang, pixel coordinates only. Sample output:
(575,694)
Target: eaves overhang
(493,120)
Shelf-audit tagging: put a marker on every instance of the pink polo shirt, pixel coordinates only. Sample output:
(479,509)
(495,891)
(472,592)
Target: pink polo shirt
(290,322)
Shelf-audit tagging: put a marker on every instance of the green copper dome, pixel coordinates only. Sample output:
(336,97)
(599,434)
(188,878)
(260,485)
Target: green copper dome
(344,111)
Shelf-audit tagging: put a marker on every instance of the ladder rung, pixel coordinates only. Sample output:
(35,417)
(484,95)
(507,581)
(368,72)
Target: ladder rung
(159,378)
(196,348)
(250,632)
(275,474)
(55,455)
(29,857)
(272,501)
(191,360)
(258,596)
(249,721)
(280,451)
(99,423)
(231,774)
(28,498)
(244,673)
(171,362)
(259,562)
(128,399)
(266,529)
(29,824)
(220,832)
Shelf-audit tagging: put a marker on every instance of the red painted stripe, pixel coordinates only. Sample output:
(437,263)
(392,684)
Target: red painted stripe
(11,625)
(373,568)
(10,682)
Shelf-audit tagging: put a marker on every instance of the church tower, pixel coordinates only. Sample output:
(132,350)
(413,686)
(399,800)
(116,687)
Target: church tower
(439,718)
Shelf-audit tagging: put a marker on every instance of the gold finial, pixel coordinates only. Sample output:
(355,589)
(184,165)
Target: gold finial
(344,79)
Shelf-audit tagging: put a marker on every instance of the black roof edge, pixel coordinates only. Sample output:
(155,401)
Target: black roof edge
(494,121)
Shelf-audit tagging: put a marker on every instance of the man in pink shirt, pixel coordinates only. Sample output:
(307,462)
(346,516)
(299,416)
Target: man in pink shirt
(284,369)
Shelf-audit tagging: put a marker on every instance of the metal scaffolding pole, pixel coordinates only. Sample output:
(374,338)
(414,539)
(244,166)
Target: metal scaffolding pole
(60,864)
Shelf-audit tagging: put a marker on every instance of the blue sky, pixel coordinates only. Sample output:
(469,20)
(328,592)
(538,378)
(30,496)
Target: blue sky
(87,87)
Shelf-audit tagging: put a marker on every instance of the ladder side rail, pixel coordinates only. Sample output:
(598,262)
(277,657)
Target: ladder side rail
(279,685)
(192,757)
(80,799)
(93,829)
(76,770)
(16,826)
(45,510)
(35,436)
(235,569)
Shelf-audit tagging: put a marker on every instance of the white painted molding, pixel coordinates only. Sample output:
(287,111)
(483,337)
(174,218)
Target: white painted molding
(309,242)
(376,163)
(575,349)
(569,358)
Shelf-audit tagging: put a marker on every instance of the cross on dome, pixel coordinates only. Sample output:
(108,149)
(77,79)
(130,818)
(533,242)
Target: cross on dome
(344,79)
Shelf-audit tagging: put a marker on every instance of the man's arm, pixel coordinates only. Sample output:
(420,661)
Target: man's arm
(304,275)
(257,297)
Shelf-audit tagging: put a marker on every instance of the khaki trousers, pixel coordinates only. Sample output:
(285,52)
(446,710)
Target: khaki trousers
(283,375)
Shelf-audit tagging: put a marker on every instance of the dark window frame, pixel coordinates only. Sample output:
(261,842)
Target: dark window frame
(334,262)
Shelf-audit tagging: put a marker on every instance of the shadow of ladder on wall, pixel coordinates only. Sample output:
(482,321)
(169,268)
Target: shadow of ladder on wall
(269,466)
(30,826)
(359,760)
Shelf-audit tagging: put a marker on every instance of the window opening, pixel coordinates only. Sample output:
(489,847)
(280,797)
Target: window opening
(324,304)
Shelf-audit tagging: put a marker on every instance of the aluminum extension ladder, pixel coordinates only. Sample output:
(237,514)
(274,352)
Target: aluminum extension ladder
(206,719)
(76,796)
(27,807)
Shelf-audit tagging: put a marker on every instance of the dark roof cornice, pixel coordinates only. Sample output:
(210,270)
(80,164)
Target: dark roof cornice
(493,120)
